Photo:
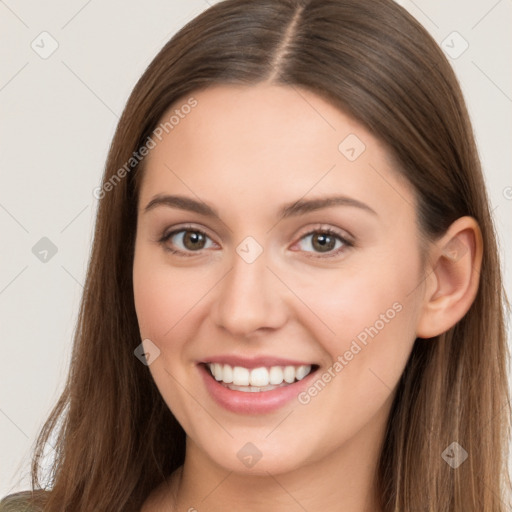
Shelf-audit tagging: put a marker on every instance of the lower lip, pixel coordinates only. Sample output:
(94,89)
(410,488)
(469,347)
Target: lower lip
(249,402)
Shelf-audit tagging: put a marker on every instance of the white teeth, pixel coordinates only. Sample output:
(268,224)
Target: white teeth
(217,371)
(289,374)
(302,371)
(252,389)
(256,379)
(227,374)
(276,375)
(240,376)
(259,377)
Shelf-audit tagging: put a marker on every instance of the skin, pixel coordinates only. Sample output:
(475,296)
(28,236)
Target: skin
(246,151)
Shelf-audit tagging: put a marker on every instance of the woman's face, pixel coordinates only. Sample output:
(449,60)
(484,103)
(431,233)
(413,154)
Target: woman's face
(296,251)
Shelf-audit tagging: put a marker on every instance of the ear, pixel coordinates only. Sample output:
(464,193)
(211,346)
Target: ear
(452,279)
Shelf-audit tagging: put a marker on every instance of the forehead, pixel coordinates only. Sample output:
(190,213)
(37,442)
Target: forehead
(271,143)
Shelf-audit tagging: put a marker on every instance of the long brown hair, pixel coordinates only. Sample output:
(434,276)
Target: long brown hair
(118,439)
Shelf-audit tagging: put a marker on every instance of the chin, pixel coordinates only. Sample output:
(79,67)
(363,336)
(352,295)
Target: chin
(259,457)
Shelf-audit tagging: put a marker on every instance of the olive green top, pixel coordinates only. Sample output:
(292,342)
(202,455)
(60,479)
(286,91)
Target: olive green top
(18,502)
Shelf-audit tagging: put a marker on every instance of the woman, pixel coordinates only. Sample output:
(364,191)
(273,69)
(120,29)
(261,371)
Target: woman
(294,298)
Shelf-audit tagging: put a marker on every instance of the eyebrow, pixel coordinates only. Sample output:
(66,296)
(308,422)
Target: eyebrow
(294,209)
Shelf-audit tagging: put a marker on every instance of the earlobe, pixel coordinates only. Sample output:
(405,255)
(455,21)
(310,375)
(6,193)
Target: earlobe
(454,274)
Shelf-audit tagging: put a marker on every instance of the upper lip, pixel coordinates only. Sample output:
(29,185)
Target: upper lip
(255,362)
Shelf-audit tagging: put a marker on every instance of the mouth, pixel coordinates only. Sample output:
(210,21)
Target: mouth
(257,385)
(259,379)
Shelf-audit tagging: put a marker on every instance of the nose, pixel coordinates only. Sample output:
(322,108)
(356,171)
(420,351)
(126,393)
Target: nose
(249,299)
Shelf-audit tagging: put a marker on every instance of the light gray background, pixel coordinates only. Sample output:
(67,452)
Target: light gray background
(58,116)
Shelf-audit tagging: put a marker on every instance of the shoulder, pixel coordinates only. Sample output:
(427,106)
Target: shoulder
(22,501)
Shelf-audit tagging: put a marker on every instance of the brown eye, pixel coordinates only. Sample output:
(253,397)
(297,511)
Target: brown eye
(194,240)
(324,241)
(186,241)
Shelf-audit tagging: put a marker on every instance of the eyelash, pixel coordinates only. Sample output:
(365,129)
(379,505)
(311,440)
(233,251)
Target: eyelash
(325,231)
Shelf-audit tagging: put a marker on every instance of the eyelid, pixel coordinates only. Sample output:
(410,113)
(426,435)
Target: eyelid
(168,233)
(186,227)
(347,241)
(342,233)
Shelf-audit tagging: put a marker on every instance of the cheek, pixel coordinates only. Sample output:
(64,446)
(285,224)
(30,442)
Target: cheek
(170,307)
(155,304)
(163,296)
(164,304)
(370,314)
(351,300)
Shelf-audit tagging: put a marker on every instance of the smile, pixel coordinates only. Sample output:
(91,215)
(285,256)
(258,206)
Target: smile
(255,386)
(259,379)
